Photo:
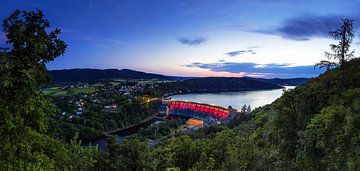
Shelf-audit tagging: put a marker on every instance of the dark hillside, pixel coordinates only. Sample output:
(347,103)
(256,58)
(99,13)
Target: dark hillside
(314,125)
(285,82)
(93,75)
(223,83)
(215,84)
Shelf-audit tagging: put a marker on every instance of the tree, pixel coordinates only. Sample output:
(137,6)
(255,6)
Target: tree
(23,67)
(340,53)
(131,154)
(23,109)
(81,158)
(330,140)
(243,109)
(204,163)
(248,110)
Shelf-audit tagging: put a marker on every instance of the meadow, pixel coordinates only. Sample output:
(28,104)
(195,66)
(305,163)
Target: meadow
(57,91)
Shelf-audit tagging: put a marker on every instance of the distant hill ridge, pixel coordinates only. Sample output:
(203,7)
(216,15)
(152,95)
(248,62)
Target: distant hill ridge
(94,75)
(220,84)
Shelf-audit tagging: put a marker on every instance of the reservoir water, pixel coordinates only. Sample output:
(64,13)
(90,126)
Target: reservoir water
(234,99)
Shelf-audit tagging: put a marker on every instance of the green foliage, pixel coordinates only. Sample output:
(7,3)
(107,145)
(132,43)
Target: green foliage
(23,109)
(131,154)
(165,128)
(204,163)
(94,120)
(56,91)
(161,158)
(312,127)
(79,157)
(331,138)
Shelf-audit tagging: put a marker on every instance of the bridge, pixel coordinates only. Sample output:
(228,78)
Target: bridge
(210,114)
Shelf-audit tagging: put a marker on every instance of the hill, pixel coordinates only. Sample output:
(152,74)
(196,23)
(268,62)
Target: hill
(93,75)
(225,84)
(285,82)
(212,84)
(314,126)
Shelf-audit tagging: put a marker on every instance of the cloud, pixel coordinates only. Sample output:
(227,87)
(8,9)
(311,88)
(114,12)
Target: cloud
(255,47)
(306,27)
(269,70)
(192,42)
(239,52)
(104,40)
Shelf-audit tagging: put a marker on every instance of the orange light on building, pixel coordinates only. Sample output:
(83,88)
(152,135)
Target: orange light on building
(192,122)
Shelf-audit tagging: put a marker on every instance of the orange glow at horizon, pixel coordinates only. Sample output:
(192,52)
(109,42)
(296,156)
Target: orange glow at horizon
(198,72)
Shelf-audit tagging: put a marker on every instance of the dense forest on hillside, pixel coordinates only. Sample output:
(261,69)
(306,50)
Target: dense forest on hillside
(312,127)
(212,84)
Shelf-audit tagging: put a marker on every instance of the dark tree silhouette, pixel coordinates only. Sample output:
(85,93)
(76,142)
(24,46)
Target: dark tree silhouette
(23,109)
(340,53)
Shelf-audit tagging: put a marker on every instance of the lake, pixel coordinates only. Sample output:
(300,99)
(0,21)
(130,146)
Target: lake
(234,99)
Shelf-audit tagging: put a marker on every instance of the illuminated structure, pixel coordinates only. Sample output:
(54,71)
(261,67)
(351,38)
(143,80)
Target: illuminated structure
(208,113)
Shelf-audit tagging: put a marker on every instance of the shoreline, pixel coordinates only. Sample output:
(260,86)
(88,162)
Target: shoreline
(219,91)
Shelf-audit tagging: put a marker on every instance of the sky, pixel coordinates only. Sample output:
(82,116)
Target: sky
(233,38)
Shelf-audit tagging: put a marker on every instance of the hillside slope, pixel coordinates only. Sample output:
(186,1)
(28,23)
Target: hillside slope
(215,84)
(92,75)
(314,126)
(285,82)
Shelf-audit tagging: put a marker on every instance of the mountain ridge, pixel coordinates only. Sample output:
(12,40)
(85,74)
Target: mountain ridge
(94,75)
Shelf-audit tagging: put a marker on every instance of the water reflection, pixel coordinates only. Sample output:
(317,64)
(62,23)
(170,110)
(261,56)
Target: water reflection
(234,99)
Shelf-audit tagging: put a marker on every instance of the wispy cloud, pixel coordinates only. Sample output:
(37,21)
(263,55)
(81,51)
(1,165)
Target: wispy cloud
(240,52)
(101,41)
(97,41)
(269,70)
(192,41)
(305,27)
(255,47)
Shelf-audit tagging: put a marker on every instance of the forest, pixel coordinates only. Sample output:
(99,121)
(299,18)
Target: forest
(314,126)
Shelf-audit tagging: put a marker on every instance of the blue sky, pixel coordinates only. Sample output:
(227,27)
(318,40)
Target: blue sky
(264,38)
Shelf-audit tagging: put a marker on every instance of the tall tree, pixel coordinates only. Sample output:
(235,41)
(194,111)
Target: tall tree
(341,52)
(23,109)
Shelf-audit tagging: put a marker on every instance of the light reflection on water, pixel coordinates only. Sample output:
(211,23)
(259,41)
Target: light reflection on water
(234,99)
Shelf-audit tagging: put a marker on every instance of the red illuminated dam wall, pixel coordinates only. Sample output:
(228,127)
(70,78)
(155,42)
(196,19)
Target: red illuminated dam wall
(200,108)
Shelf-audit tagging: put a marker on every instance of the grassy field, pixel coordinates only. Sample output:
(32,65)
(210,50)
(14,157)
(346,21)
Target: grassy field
(56,91)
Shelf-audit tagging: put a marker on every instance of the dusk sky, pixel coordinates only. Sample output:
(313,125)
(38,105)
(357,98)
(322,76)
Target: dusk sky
(264,38)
